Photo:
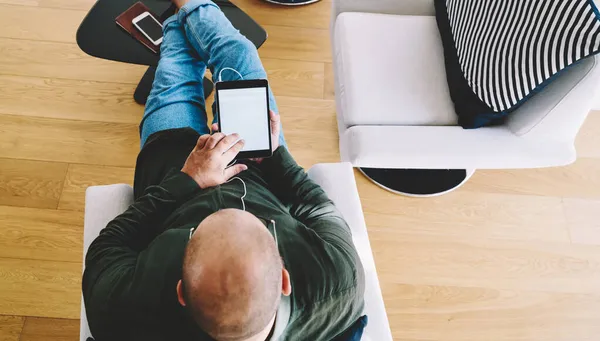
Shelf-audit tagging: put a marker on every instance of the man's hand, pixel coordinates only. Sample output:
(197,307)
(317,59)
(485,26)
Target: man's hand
(207,163)
(275,130)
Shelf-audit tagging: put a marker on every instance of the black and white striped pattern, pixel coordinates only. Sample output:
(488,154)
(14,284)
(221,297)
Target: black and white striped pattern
(507,48)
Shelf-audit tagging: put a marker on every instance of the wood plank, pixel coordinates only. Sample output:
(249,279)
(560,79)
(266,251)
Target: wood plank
(26,22)
(309,127)
(485,215)
(264,13)
(99,143)
(113,102)
(314,16)
(579,180)
(83,5)
(80,177)
(295,78)
(23,183)
(422,259)
(329,91)
(458,313)
(294,43)
(69,99)
(31,233)
(40,288)
(20,2)
(60,60)
(10,327)
(583,217)
(46,329)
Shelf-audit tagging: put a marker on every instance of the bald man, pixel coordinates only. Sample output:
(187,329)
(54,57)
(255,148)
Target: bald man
(251,252)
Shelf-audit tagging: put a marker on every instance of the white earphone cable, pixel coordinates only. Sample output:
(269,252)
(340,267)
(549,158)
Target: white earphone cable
(243,204)
(228,68)
(243,196)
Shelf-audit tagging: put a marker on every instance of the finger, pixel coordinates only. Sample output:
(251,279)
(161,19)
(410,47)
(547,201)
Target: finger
(227,142)
(234,150)
(214,127)
(275,123)
(234,170)
(213,140)
(202,141)
(273,116)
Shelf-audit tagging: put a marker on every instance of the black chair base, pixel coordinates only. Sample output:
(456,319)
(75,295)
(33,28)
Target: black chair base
(417,182)
(292,2)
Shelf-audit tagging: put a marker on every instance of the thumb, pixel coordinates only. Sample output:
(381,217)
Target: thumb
(234,170)
(214,127)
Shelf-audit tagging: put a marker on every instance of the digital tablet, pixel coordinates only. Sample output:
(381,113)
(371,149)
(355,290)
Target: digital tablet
(243,108)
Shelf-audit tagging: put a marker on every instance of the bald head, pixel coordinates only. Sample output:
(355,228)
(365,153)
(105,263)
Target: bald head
(232,275)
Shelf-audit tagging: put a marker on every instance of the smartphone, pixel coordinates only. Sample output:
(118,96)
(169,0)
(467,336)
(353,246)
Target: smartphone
(243,108)
(150,27)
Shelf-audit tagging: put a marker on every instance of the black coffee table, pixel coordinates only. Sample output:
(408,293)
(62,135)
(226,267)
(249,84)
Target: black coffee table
(99,36)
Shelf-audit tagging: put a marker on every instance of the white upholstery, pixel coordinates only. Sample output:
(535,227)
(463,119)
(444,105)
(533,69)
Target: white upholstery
(596,105)
(400,7)
(421,147)
(337,180)
(560,109)
(376,91)
(394,110)
(103,203)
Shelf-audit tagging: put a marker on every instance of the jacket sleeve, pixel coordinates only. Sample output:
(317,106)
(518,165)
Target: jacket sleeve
(307,202)
(111,259)
(332,245)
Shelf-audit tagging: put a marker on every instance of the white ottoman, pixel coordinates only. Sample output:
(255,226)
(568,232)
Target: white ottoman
(103,203)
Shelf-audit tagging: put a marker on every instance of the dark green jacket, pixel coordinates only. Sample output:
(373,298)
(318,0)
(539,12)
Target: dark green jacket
(133,267)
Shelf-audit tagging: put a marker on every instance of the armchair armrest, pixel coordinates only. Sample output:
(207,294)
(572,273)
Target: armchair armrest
(398,7)
(450,147)
(102,204)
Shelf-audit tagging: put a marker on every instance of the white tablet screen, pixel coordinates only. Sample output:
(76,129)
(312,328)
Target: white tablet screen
(244,111)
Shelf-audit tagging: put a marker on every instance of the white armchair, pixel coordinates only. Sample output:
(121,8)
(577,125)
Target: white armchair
(103,203)
(394,108)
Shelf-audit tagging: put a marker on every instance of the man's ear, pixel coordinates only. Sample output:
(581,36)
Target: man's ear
(286,284)
(180,293)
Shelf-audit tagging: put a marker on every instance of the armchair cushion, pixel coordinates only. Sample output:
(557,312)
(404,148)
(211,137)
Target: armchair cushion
(499,54)
(389,70)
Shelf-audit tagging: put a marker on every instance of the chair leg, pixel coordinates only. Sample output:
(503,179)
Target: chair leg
(145,85)
(418,182)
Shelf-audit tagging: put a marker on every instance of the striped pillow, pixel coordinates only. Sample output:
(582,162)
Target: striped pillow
(499,53)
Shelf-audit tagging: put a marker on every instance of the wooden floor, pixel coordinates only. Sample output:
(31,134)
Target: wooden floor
(513,255)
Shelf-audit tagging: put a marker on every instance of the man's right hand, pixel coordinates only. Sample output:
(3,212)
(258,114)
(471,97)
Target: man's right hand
(207,163)
(275,122)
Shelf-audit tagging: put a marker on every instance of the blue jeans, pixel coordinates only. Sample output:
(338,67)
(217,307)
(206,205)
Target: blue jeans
(199,35)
